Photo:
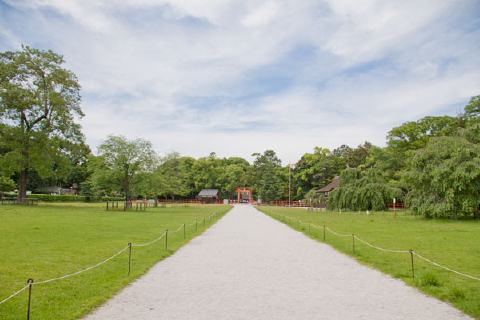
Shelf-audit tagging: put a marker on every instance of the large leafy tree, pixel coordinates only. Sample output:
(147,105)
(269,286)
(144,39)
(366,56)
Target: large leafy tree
(444,178)
(235,173)
(472,109)
(270,179)
(39,104)
(207,172)
(353,157)
(122,163)
(414,135)
(315,170)
(173,177)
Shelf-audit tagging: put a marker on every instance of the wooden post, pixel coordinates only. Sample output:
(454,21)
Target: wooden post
(353,243)
(394,208)
(184,233)
(323,232)
(30,283)
(129,257)
(413,268)
(166,240)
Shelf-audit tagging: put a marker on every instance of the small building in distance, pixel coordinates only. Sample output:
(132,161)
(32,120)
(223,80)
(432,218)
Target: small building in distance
(325,191)
(208,195)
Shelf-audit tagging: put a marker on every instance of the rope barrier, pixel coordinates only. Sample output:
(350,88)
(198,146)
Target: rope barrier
(445,268)
(65,276)
(390,250)
(98,264)
(14,294)
(178,229)
(380,248)
(337,233)
(83,270)
(149,242)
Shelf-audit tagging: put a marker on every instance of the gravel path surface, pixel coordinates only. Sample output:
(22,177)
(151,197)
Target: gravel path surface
(249,266)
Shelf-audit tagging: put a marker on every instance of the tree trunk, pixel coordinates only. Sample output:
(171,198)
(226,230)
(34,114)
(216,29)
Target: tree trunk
(23,179)
(22,186)
(126,188)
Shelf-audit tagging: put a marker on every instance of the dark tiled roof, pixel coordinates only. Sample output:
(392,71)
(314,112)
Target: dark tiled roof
(208,193)
(332,185)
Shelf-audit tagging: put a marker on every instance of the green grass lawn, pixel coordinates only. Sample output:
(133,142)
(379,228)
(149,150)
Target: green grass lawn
(50,240)
(455,244)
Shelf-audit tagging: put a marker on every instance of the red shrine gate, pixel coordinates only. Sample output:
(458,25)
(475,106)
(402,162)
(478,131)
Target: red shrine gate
(244,195)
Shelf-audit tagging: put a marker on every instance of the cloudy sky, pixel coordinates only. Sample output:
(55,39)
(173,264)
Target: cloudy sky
(237,77)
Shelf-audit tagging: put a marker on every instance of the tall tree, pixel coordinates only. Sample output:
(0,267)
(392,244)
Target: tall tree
(173,177)
(472,109)
(315,170)
(414,135)
(39,103)
(124,161)
(444,178)
(269,176)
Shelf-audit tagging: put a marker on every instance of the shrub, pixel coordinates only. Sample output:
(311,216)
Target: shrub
(72,198)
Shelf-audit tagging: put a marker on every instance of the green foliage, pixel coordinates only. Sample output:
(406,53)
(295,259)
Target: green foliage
(444,178)
(362,190)
(414,135)
(472,109)
(6,184)
(314,198)
(39,103)
(429,279)
(121,165)
(353,157)
(314,170)
(270,179)
(68,198)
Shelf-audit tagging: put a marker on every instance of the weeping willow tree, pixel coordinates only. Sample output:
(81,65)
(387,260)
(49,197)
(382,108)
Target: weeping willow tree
(362,190)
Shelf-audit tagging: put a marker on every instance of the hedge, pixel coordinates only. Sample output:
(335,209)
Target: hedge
(67,198)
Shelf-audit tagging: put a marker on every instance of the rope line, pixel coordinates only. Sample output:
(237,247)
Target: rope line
(445,268)
(83,270)
(96,265)
(149,242)
(337,233)
(178,229)
(14,294)
(390,250)
(380,248)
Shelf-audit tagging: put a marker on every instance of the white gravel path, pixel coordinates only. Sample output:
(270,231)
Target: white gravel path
(249,266)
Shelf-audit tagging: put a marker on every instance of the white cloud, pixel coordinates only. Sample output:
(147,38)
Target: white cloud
(365,67)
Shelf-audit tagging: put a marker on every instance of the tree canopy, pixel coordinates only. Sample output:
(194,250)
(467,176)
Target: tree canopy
(39,105)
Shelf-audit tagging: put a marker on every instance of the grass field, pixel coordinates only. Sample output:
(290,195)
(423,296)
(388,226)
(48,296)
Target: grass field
(455,244)
(50,240)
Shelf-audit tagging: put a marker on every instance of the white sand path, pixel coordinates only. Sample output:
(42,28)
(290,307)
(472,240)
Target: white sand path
(249,266)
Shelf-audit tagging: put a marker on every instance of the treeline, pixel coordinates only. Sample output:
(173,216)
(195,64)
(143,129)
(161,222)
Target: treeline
(432,165)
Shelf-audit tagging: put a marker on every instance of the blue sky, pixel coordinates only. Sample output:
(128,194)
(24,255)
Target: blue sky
(237,77)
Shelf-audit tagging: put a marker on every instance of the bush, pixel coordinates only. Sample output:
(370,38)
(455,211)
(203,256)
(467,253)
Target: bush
(68,198)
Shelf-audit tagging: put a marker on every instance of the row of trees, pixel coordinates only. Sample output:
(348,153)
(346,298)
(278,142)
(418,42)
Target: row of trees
(431,164)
